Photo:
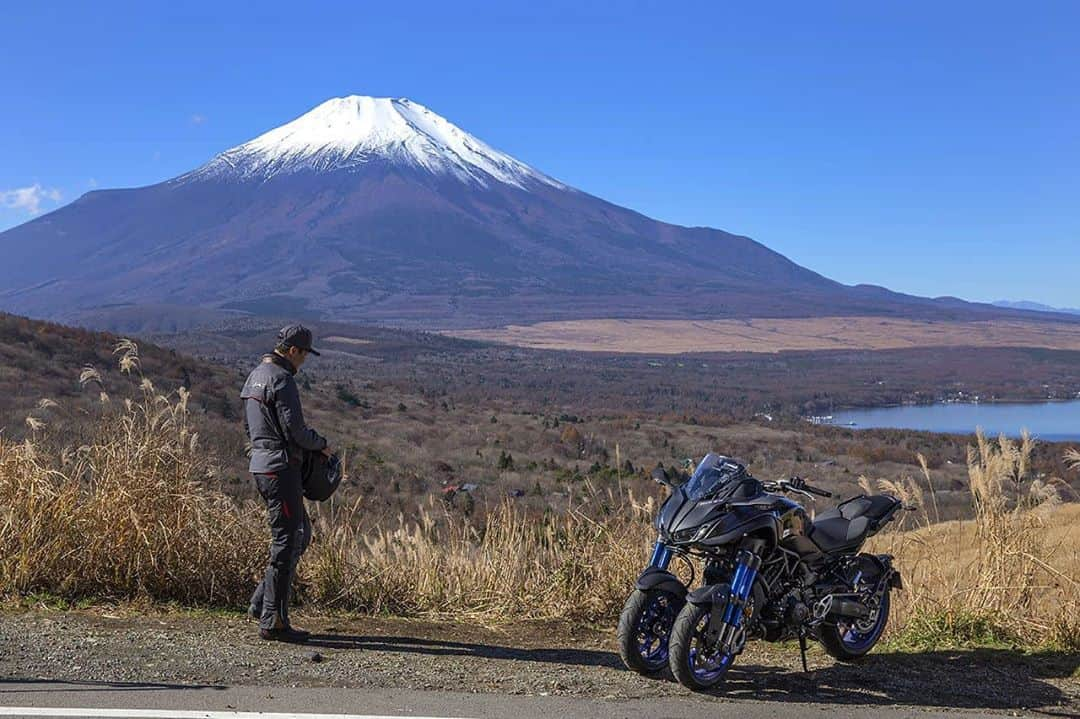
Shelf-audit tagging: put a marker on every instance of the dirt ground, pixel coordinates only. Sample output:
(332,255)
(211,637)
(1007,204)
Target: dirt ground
(776,335)
(535,658)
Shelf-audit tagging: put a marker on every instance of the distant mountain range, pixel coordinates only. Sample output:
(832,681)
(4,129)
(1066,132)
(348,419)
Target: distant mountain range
(378,209)
(1035,307)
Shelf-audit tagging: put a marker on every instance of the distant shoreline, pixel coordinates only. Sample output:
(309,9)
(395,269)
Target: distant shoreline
(855,418)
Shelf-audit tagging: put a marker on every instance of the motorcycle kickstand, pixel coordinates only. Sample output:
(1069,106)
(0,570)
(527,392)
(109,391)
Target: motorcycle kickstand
(802,651)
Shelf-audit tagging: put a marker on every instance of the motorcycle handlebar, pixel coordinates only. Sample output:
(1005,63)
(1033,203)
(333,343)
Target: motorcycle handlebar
(799,484)
(818,492)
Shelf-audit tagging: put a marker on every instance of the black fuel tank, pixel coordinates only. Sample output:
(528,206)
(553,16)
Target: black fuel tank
(795,528)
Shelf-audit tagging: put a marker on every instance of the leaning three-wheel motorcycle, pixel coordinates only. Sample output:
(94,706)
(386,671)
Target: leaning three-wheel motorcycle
(769,572)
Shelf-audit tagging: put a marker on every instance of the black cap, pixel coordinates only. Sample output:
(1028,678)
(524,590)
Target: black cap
(296,336)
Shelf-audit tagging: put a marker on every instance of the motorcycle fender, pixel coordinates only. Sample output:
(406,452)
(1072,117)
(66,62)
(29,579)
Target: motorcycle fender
(717,595)
(712,594)
(894,575)
(653,578)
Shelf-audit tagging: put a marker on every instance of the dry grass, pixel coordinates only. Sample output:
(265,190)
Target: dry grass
(130,514)
(776,335)
(1011,574)
(514,565)
(127,513)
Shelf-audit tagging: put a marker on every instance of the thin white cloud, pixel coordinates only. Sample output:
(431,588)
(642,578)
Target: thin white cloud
(92,183)
(29,199)
(197,119)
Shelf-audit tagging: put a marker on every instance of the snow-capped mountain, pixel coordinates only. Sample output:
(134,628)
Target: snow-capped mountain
(348,133)
(379,209)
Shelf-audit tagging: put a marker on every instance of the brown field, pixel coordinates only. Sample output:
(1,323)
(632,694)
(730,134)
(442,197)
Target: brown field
(776,335)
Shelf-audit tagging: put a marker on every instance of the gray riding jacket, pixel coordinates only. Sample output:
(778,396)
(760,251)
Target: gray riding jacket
(273,418)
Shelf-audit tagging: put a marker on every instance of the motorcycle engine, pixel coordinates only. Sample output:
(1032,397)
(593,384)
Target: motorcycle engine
(795,610)
(717,571)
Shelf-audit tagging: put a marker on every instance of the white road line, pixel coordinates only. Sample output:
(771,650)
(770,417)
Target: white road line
(170,714)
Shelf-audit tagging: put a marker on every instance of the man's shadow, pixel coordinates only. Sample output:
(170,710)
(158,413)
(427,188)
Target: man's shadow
(972,679)
(438,647)
(53,686)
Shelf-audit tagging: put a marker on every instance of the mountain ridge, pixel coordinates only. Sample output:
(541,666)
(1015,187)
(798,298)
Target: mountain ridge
(1035,307)
(377,209)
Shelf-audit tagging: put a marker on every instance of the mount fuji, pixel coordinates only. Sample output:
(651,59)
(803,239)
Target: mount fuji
(378,209)
(349,133)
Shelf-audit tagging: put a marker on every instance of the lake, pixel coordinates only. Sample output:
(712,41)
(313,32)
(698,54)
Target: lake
(1049,421)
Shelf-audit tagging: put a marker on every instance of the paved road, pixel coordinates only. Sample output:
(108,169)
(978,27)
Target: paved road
(174,701)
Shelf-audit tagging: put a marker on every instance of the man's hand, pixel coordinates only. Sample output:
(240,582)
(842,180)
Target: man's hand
(327,452)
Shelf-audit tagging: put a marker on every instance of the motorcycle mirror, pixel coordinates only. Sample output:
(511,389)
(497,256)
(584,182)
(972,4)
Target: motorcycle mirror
(659,475)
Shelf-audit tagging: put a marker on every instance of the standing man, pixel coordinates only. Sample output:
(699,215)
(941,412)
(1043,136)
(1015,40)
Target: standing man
(279,437)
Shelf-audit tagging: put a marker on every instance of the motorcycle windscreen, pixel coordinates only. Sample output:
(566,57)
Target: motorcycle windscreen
(715,476)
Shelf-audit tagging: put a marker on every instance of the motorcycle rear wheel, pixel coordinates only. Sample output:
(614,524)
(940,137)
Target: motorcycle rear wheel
(849,641)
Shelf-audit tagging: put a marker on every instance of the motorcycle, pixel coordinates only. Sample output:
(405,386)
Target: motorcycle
(769,572)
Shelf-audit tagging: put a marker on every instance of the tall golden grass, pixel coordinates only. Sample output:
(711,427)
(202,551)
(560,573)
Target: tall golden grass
(132,513)
(513,565)
(1009,574)
(127,513)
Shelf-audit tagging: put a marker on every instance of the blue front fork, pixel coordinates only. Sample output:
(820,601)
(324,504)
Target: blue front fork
(746,569)
(661,556)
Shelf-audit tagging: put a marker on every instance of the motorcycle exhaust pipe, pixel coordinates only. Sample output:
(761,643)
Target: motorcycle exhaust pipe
(848,609)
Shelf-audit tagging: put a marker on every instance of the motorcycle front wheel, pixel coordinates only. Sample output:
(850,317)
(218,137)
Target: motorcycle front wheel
(644,629)
(692,661)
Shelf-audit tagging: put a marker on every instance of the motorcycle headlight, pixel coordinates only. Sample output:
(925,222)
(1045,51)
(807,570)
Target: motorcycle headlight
(693,534)
(685,535)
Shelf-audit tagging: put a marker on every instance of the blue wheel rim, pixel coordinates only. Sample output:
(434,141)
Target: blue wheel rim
(706,668)
(703,673)
(654,629)
(857,641)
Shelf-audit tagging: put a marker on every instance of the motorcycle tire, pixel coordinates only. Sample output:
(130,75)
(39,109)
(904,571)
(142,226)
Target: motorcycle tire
(644,628)
(848,642)
(686,648)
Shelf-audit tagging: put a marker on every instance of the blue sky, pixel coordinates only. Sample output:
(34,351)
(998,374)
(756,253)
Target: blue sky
(932,147)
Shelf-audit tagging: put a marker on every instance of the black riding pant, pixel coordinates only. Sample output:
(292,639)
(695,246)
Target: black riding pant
(290,534)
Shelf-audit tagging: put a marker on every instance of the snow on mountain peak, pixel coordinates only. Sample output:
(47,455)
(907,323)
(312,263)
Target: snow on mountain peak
(347,132)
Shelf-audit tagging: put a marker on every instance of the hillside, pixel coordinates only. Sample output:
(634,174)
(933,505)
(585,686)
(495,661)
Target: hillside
(43,361)
(416,413)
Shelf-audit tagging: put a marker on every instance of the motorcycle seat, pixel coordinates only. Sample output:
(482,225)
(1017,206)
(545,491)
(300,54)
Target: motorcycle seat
(852,521)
